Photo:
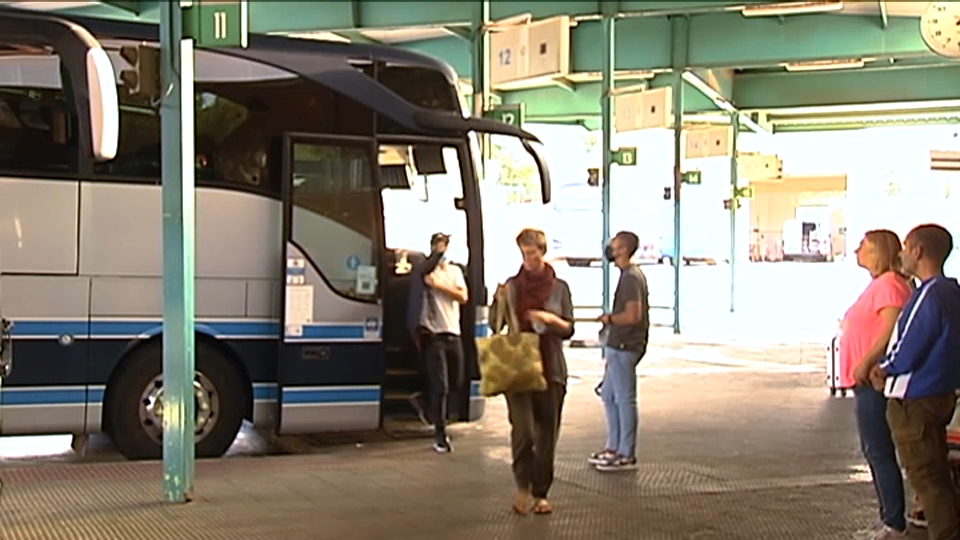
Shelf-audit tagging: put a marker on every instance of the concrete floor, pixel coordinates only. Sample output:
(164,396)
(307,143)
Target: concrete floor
(734,445)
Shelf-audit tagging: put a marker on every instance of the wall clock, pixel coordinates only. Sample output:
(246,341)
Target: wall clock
(940,28)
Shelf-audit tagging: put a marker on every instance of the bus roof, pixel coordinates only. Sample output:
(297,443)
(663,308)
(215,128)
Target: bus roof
(329,63)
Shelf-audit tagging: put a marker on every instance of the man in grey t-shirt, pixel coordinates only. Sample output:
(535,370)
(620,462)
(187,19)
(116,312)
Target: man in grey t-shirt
(624,339)
(445,292)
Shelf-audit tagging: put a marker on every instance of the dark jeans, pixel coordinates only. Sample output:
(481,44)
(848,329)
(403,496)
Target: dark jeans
(877,445)
(444,359)
(535,428)
(919,428)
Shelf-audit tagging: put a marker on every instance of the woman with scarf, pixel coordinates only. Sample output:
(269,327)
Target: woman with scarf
(543,305)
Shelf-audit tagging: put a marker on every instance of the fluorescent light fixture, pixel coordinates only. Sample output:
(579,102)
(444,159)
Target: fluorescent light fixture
(790,8)
(50,6)
(501,25)
(825,65)
(943,160)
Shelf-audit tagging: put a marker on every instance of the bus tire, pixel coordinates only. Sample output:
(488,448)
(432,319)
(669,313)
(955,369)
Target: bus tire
(137,430)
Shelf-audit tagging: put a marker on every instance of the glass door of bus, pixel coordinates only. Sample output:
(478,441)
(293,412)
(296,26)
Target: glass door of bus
(331,358)
(427,187)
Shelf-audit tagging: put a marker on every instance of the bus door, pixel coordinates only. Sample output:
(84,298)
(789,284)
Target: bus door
(331,360)
(426,188)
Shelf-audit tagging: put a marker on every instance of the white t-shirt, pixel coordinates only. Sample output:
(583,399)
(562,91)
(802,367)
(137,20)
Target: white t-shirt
(441,314)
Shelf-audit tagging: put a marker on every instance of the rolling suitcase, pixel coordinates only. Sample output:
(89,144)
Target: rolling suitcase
(833,369)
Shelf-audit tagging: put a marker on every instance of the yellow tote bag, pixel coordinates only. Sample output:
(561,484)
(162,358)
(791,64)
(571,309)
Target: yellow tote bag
(509,362)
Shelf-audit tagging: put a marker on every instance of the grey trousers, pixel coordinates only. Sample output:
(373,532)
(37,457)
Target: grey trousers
(535,422)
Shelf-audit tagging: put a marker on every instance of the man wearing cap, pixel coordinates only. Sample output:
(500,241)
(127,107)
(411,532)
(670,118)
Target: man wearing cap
(446,290)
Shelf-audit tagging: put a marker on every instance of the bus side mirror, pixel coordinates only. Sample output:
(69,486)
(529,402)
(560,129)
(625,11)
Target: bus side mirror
(104,108)
(541,161)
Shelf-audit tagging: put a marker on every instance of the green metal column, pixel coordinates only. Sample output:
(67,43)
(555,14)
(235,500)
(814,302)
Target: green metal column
(177,165)
(734,170)
(606,110)
(679,50)
(481,72)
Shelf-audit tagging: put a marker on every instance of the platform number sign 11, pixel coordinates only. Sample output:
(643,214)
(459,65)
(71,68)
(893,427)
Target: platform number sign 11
(217,23)
(220,25)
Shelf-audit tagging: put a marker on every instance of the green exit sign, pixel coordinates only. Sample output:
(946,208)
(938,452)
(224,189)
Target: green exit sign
(625,157)
(691,177)
(743,192)
(512,114)
(217,23)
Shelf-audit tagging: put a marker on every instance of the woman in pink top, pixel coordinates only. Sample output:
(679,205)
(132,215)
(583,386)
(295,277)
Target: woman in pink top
(866,330)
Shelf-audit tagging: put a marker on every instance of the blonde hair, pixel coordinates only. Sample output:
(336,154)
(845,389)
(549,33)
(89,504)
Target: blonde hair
(887,246)
(533,237)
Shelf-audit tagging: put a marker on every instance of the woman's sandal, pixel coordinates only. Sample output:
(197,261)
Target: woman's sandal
(522,503)
(542,507)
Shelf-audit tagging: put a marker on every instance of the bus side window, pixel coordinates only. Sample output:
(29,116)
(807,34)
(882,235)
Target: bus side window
(38,120)
(335,214)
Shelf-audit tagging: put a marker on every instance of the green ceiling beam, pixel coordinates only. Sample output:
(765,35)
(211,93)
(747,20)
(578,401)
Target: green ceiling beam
(731,40)
(717,39)
(852,87)
(280,16)
(563,106)
(643,43)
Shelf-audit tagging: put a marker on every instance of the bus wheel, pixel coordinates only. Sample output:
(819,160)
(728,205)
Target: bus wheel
(135,407)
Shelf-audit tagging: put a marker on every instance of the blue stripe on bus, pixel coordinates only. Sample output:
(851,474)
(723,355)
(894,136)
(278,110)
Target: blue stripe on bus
(333,395)
(127,328)
(265,392)
(44,396)
(261,392)
(132,329)
(332,331)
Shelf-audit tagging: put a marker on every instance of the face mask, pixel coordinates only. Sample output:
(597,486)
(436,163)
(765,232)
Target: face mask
(609,254)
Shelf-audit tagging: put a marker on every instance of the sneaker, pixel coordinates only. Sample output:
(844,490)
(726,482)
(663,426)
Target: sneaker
(619,463)
(599,458)
(442,446)
(889,533)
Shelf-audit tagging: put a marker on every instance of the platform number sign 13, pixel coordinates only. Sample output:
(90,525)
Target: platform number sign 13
(940,28)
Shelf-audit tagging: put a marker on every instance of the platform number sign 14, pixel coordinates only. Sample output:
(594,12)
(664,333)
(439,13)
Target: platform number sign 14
(940,28)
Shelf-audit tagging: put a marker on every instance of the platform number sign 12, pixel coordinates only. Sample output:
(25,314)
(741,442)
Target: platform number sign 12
(504,56)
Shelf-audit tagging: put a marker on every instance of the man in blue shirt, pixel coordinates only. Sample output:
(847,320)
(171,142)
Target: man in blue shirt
(920,375)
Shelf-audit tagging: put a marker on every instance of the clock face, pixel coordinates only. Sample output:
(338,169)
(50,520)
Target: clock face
(940,28)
